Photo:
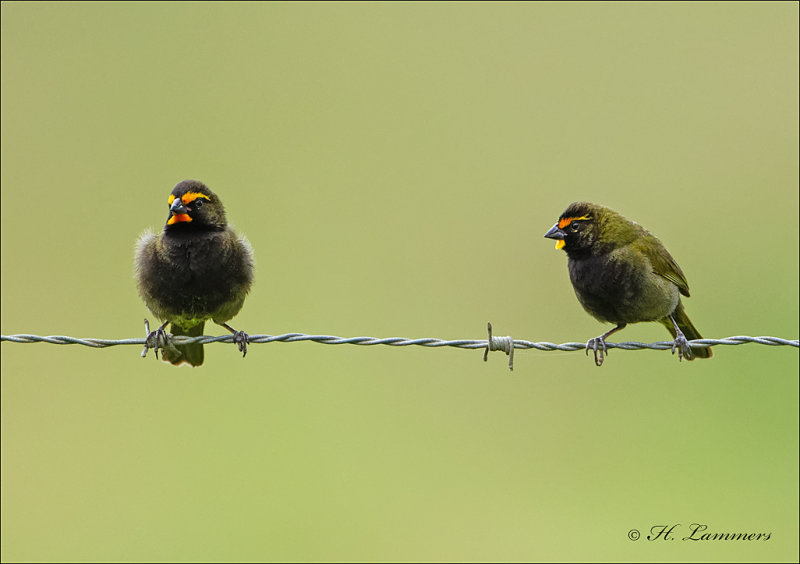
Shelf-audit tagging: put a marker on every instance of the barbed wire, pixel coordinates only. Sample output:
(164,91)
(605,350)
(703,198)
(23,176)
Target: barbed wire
(493,343)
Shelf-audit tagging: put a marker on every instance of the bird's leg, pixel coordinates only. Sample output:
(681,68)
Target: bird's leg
(239,337)
(158,339)
(598,344)
(681,344)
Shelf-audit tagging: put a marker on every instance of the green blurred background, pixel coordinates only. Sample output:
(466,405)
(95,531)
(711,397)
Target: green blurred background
(395,166)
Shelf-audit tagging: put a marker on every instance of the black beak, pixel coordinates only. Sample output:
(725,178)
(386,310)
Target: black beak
(555,233)
(177,207)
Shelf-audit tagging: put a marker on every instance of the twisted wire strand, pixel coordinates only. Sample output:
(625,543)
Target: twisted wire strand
(399,342)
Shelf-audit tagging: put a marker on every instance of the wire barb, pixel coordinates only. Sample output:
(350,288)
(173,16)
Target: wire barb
(505,344)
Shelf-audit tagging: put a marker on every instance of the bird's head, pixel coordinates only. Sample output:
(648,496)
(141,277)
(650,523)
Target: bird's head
(192,205)
(586,228)
(576,229)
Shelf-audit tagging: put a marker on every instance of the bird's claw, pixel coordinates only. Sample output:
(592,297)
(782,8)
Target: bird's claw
(158,339)
(681,345)
(241,339)
(155,340)
(598,345)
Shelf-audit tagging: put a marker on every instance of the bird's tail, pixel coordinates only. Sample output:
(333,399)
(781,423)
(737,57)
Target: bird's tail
(190,354)
(689,330)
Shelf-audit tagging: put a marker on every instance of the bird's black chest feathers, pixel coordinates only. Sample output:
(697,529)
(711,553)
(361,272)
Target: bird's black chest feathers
(198,260)
(605,286)
(202,272)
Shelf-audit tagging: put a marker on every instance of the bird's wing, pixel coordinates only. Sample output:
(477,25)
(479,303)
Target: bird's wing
(663,263)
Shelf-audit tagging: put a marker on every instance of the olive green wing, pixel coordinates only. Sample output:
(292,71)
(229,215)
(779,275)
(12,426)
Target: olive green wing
(662,262)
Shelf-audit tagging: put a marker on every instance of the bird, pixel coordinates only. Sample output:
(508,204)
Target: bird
(622,274)
(197,268)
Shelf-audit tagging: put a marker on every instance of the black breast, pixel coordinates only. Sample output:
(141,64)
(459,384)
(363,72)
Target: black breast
(205,272)
(604,287)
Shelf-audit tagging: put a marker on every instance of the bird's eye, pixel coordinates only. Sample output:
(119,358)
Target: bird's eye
(575,225)
(198,203)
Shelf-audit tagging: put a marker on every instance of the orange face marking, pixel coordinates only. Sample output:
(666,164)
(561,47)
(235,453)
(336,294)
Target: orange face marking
(562,223)
(189,197)
(178,217)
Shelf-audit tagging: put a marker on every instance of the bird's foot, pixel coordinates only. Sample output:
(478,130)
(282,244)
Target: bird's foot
(681,345)
(598,345)
(158,339)
(241,339)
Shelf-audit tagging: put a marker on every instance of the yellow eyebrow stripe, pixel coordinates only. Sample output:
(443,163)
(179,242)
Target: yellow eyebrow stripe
(189,197)
(562,223)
